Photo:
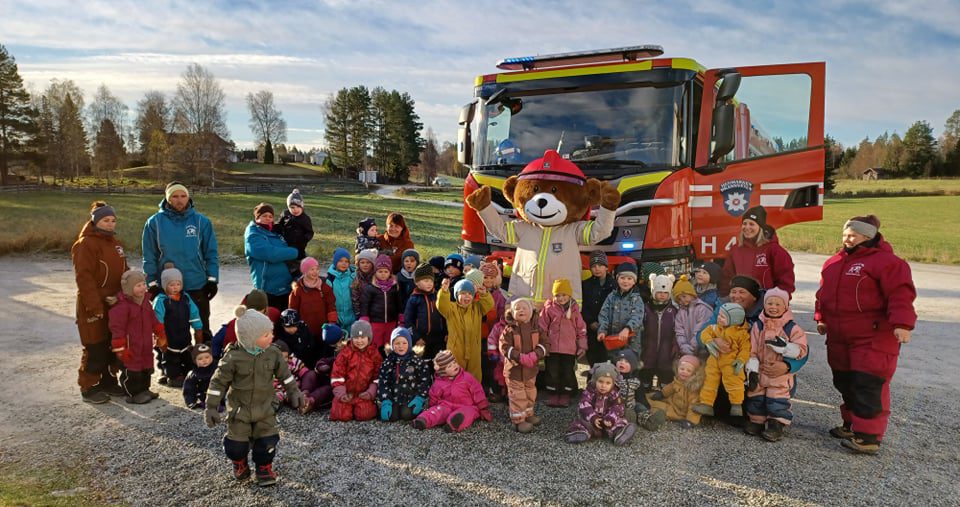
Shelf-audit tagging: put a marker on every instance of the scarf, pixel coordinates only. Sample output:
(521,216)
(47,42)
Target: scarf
(384,285)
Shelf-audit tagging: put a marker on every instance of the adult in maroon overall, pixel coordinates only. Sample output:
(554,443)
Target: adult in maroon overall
(865,307)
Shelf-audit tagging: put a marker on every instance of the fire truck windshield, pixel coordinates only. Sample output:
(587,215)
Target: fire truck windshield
(612,130)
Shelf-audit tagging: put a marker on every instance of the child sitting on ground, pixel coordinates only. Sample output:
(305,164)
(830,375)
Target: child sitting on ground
(775,337)
(463,315)
(521,347)
(707,275)
(380,302)
(313,299)
(659,334)
(676,400)
(354,376)
(251,396)
(566,338)
(630,385)
(198,380)
(133,325)
(178,313)
(340,276)
(427,327)
(621,317)
(297,368)
(298,338)
(726,368)
(317,392)
(692,316)
(297,229)
(600,412)
(409,260)
(405,380)
(456,397)
(367,237)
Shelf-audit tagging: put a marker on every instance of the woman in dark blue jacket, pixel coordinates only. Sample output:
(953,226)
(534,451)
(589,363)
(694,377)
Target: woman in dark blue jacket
(267,253)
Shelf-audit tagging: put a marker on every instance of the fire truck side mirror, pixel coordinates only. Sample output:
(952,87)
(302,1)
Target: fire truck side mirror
(723,131)
(464,137)
(728,87)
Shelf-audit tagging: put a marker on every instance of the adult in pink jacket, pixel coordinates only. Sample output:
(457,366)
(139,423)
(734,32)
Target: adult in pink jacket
(865,307)
(758,254)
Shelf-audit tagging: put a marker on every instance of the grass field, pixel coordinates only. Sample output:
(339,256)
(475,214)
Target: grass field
(31,485)
(52,220)
(254,169)
(448,194)
(896,187)
(919,228)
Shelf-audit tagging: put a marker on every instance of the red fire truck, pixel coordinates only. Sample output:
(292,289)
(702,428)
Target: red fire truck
(689,148)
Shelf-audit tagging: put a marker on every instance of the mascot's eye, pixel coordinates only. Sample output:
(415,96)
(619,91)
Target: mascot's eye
(553,190)
(536,188)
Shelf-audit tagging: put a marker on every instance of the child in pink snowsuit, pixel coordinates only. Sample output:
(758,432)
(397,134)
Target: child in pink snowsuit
(456,397)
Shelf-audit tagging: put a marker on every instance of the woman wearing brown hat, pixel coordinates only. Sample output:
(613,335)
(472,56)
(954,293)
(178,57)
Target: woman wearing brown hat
(267,253)
(758,254)
(865,307)
(98,262)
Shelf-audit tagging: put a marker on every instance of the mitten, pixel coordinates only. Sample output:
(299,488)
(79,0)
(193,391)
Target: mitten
(779,342)
(712,349)
(753,380)
(657,395)
(211,289)
(295,398)
(791,350)
(211,416)
(417,404)
(686,425)
(753,365)
(386,410)
(198,336)
(370,392)
(154,290)
(529,359)
(340,392)
(737,366)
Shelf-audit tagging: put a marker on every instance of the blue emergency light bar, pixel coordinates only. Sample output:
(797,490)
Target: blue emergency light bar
(624,54)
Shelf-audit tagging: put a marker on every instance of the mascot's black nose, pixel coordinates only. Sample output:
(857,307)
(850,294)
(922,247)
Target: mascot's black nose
(542,203)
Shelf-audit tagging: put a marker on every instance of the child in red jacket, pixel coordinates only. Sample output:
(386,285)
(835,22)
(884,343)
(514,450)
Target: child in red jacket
(456,397)
(566,335)
(313,298)
(133,324)
(354,377)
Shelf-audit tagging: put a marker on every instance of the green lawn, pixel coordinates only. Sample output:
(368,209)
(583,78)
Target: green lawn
(28,484)
(254,169)
(448,194)
(919,228)
(878,188)
(52,219)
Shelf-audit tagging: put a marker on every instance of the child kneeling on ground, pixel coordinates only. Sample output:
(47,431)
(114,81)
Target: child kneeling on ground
(405,380)
(775,337)
(251,399)
(456,397)
(676,400)
(600,412)
(354,376)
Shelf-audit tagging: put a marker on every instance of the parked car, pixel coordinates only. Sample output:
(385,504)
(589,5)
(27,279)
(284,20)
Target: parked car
(440,181)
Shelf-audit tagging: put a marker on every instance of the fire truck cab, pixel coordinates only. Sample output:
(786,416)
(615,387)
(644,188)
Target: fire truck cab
(689,148)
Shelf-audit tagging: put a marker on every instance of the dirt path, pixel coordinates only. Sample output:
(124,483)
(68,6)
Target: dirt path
(161,454)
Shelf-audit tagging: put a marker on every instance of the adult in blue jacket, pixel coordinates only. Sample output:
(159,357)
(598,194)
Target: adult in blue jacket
(267,253)
(180,235)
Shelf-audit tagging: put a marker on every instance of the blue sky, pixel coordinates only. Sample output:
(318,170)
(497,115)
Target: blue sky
(889,63)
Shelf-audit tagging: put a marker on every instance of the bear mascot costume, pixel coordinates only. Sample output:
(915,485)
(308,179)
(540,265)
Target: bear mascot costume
(551,196)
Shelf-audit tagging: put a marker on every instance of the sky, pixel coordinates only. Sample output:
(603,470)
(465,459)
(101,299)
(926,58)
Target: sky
(889,63)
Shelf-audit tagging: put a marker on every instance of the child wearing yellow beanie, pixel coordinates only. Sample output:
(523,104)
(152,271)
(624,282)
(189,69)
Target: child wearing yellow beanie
(566,340)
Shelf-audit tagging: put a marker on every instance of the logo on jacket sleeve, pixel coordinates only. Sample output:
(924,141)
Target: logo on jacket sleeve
(855,269)
(191,231)
(736,196)
(119,250)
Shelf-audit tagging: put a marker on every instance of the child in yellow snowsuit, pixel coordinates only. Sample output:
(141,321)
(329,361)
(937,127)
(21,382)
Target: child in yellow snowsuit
(464,317)
(725,367)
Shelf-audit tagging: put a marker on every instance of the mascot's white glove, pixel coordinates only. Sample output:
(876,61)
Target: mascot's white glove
(753,365)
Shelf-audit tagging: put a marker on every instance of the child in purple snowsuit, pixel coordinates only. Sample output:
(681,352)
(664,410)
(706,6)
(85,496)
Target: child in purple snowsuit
(456,397)
(600,412)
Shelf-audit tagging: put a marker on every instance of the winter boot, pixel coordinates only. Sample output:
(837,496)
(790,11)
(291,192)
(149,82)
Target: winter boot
(177,383)
(534,420)
(842,431)
(652,420)
(862,443)
(153,394)
(773,431)
(703,409)
(577,437)
(456,422)
(753,429)
(94,396)
(565,400)
(265,475)
(623,436)
(553,400)
(524,427)
(110,386)
(241,469)
(307,405)
(142,398)
(736,410)
(419,424)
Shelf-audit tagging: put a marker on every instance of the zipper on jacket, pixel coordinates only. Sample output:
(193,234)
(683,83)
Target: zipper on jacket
(106,270)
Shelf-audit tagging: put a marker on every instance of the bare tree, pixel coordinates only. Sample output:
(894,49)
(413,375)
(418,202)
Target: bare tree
(200,114)
(153,113)
(106,106)
(266,121)
(430,157)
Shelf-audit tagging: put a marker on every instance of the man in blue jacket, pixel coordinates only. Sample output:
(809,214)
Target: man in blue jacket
(177,234)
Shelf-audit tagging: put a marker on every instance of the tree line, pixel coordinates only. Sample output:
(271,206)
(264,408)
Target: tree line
(918,154)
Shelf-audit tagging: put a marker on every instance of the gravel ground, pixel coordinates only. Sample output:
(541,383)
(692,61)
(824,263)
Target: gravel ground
(162,454)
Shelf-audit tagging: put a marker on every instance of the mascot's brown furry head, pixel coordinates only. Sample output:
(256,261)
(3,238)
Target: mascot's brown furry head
(551,191)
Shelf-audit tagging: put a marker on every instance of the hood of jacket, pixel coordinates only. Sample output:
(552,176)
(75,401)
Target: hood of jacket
(167,210)
(695,382)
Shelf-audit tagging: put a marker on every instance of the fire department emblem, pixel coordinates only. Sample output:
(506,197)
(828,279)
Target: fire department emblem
(557,248)
(191,231)
(761,259)
(736,196)
(855,268)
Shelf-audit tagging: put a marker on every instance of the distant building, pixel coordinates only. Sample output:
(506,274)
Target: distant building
(875,173)
(367,176)
(318,157)
(249,156)
(186,147)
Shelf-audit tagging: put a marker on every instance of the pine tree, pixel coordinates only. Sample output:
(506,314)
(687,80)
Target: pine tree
(268,153)
(72,138)
(108,149)
(17,118)
(919,150)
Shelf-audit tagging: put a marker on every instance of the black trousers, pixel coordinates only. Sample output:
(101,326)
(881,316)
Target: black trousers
(664,376)
(596,351)
(200,298)
(177,364)
(561,373)
(135,382)
(279,302)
